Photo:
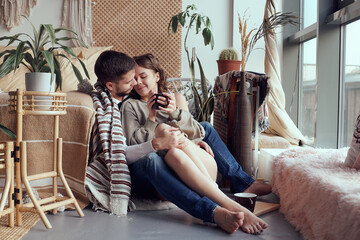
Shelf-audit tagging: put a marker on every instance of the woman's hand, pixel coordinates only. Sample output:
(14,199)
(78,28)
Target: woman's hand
(206,147)
(171,107)
(150,103)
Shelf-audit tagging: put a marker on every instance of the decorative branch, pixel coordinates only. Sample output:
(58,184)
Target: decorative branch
(267,27)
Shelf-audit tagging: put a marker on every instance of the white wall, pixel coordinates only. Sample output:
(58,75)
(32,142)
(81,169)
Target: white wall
(220,14)
(45,12)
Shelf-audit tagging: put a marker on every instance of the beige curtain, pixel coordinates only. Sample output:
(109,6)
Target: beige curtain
(77,16)
(280,122)
(11,11)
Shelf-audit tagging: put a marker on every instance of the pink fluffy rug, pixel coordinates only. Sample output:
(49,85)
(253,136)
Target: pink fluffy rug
(318,194)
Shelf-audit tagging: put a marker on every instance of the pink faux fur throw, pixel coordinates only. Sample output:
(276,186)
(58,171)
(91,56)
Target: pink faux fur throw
(318,194)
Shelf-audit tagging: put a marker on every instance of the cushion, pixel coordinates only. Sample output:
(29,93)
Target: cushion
(268,140)
(354,149)
(89,57)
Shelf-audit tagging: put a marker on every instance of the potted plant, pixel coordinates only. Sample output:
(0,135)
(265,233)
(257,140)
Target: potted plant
(228,61)
(188,19)
(38,53)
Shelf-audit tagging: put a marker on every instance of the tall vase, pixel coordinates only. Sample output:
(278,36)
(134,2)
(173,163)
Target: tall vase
(242,127)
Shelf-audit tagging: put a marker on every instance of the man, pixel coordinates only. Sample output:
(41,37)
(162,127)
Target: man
(108,167)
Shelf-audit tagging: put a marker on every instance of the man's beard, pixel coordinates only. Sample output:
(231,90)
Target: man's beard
(119,93)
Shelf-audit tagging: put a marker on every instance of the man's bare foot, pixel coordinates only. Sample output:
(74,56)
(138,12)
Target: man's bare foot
(252,224)
(259,188)
(227,220)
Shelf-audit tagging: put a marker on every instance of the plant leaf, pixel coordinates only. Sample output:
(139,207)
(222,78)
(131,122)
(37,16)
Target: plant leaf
(58,74)
(182,20)
(77,73)
(19,54)
(206,35)
(7,131)
(198,24)
(174,24)
(85,70)
(7,65)
(49,56)
(50,30)
(204,86)
(64,29)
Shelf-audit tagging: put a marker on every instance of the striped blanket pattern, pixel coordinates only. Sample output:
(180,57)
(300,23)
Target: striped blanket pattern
(107,182)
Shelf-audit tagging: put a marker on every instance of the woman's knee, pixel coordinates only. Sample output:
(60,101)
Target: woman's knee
(173,157)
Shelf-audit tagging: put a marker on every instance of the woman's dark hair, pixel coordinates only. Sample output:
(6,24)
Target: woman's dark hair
(111,65)
(148,61)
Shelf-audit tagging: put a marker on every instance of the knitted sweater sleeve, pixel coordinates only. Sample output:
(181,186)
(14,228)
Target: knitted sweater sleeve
(186,123)
(137,127)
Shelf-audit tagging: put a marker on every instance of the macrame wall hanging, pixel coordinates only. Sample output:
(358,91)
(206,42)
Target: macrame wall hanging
(139,27)
(76,15)
(11,11)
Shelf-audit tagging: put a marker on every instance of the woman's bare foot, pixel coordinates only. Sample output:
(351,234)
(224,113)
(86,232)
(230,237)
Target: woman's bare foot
(259,188)
(252,224)
(227,220)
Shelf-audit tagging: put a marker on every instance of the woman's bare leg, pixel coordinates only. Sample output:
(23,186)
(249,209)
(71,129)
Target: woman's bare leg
(204,161)
(202,158)
(190,174)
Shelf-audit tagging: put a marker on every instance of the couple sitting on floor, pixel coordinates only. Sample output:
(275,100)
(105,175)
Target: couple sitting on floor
(168,154)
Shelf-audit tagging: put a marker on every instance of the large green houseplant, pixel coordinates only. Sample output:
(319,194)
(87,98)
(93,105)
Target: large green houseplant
(188,19)
(39,52)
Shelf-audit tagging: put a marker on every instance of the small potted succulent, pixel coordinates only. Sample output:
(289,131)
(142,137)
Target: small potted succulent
(228,61)
(39,54)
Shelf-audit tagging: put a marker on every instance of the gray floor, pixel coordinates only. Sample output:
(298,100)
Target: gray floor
(162,224)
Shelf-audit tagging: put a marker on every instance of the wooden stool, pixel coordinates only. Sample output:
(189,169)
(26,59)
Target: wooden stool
(40,103)
(7,163)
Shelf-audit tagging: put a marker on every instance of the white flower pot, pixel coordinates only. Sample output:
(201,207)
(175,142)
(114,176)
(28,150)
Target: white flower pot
(37,81)
(40,82)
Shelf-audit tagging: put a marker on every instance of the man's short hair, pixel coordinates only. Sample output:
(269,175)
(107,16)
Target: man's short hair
(111,65)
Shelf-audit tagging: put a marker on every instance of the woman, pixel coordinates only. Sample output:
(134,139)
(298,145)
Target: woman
(139,115)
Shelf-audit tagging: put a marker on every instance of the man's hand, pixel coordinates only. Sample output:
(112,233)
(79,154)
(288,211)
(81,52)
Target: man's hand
(171,138)
(206,147)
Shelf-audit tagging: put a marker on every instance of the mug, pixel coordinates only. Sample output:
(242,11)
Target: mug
(156,105)
(246,200)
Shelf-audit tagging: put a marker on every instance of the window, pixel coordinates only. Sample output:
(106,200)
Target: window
(309,12)
(307,91)
(351,82)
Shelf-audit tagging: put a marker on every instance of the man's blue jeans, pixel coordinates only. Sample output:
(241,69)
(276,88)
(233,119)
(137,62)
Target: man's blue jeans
(151,172)
(227,164)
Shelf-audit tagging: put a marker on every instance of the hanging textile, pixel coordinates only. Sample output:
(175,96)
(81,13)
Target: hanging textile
(11,11)
(280,122)
(77,16)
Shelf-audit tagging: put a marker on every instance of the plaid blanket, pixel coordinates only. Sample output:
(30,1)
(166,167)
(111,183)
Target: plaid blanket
(107,180)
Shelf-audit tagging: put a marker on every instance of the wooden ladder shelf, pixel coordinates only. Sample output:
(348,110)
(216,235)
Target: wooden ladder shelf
(39,103)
